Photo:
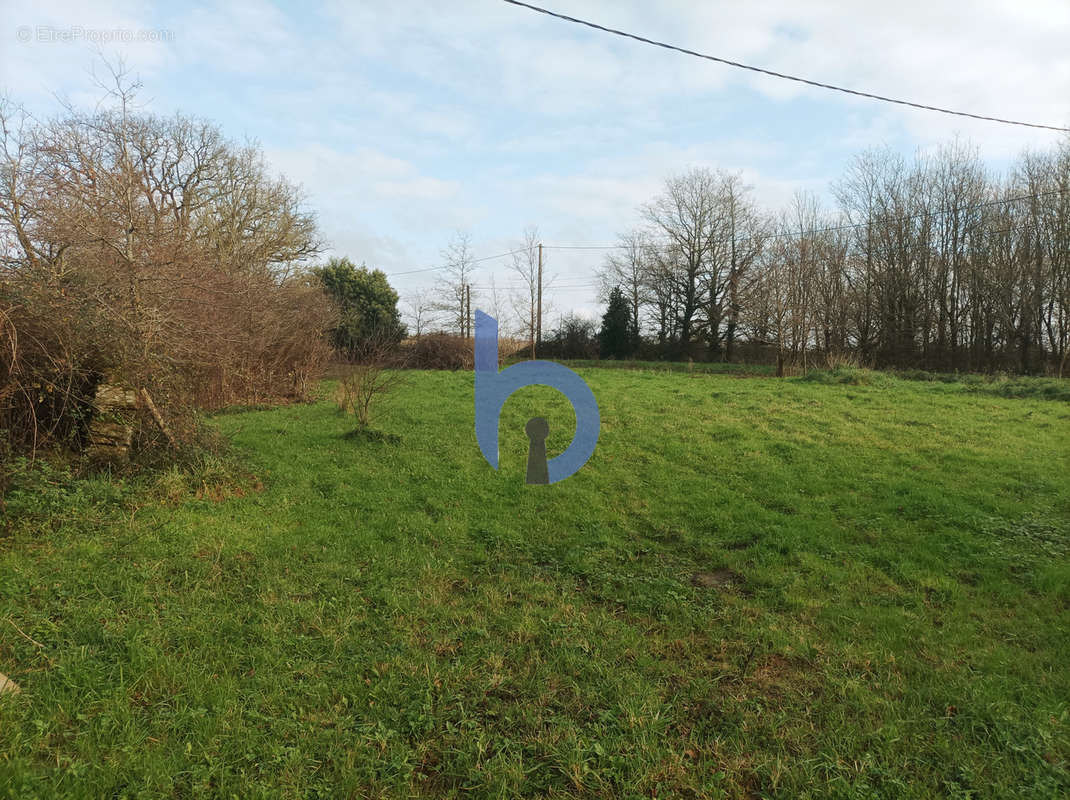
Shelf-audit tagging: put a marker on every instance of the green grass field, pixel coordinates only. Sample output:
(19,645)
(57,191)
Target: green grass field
(842,586)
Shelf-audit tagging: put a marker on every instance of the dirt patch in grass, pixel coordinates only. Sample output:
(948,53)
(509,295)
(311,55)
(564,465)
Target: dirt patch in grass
(722,578)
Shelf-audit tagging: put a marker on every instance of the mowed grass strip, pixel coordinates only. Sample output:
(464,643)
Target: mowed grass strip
(755,588)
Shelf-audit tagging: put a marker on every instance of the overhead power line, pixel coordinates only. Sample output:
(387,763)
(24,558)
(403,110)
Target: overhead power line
(446,266)
(503,286)
(782,75)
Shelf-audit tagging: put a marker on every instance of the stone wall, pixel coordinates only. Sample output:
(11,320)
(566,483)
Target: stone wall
(112,427)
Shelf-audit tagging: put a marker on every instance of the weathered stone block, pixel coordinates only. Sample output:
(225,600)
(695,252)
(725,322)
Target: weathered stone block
(112,428)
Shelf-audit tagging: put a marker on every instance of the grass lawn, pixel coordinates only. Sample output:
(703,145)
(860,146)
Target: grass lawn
(755,588)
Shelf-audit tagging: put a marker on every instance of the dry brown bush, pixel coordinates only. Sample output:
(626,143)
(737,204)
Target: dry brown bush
(839,360)
(55,352)
(226,340)
(153,253)
(439,351)
(372,376)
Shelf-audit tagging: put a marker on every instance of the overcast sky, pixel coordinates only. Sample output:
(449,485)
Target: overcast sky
(407,120)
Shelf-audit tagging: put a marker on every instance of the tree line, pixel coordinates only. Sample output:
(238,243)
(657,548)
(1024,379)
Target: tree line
(932,262)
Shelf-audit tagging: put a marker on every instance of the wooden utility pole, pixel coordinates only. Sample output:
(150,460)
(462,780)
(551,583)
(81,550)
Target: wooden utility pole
(538,313)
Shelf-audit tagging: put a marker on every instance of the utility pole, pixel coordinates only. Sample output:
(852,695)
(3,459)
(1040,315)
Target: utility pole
(468,302)
(538,318)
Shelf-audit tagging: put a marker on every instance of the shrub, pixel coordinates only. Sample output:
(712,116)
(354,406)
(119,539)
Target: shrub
(574,338)
(151,278)
(367,305)
(370,379)
(438,351)
(51,360)
(841,360)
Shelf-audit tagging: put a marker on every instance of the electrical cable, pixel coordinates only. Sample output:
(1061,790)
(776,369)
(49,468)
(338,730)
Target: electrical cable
(782,75)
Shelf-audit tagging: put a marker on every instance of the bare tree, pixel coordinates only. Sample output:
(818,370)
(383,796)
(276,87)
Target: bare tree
(629,268)
(685,214)
(769,294)
(957,187)
(743,233)
(803,220)
(421,310)
(495,302)
(661,269)
(455,288)
(525,300)
(22,178)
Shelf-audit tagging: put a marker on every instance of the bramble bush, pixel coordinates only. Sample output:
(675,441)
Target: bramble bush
(129,258)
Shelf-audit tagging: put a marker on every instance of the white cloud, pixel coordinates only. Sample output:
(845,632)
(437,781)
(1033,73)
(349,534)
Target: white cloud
(244,37)
(340,176)
(365,190)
